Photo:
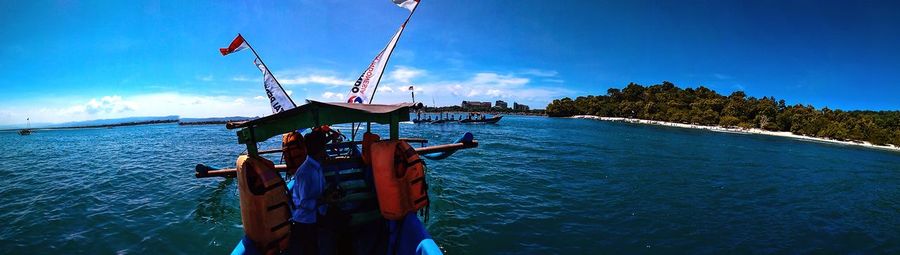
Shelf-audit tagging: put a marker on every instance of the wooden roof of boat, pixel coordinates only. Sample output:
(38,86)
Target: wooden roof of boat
(314,114)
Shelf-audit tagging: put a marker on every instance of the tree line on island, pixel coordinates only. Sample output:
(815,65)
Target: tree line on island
(703,106)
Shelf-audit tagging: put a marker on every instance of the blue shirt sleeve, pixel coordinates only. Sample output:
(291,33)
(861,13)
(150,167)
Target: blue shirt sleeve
(309,184)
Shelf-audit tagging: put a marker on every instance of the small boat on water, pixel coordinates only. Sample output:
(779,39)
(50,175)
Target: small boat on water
(362,210)
(491,120)
(27,130)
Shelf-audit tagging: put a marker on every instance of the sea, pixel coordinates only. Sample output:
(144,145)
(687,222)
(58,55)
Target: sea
(535,185)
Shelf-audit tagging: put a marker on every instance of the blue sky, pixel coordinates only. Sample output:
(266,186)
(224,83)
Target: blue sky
(71,60)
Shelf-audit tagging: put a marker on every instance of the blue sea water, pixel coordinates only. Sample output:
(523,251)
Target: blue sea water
(535,185)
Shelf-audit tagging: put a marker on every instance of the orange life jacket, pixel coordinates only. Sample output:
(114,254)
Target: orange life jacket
(293,151)
(264,204)
(368,139)
(399,176)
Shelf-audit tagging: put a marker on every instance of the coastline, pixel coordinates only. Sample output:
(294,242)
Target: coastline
(741,131)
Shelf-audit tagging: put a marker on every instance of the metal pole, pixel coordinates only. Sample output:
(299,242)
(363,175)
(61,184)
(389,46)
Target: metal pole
(388,58)
(268,70)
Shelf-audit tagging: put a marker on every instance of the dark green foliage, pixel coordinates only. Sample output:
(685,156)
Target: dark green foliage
(701,105)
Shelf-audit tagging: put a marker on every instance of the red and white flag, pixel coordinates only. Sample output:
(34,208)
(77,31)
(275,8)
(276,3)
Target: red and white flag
(408,4)
(237,45)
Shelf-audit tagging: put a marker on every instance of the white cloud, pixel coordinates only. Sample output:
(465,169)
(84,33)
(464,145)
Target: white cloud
(105,105)
(554,80)
(240,78)
(155,104)
(539,72)
(405,74)
(493,79)
(483,86)
(722,76)
(331,95)
(208,77)
(259,98)
(313,79)
(288,91)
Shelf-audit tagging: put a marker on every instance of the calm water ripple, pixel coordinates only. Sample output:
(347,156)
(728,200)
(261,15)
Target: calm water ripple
(535,185)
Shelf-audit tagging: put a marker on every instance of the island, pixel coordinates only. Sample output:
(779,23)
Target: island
(701,107)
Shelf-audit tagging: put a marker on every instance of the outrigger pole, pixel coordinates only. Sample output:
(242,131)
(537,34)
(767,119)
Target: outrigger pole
(204,171)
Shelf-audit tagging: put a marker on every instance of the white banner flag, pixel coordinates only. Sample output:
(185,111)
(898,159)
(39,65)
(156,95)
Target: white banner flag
(407,4)
(277,97)
(372,75)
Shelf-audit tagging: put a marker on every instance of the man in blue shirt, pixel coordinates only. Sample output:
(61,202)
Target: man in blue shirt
(307,189)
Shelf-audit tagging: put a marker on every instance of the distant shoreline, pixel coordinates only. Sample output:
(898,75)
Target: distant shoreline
(740,131)
(136,123)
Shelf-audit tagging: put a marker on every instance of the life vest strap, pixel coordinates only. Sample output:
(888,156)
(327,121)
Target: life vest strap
(274,185)
(279,226)
(270,208)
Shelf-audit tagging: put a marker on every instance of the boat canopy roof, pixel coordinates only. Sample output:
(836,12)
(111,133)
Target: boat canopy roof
(315,113)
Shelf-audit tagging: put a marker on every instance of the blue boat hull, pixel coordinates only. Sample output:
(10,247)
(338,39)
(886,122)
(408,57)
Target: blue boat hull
(407,236)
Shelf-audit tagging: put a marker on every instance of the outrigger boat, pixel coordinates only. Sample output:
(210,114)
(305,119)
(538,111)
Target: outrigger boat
(491,120)
(27,129)
(372,227)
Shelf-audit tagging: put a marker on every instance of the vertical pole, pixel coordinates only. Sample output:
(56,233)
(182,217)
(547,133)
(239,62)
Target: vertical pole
(252,150)
(395,126)
(267,69)
(378,81)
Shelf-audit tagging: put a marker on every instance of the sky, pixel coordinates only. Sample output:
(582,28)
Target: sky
(80,60)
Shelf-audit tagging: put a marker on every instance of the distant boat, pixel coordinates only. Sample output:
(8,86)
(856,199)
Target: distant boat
(491,120)
(27,130)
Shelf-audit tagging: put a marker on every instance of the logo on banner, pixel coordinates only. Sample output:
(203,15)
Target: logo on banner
(355,99)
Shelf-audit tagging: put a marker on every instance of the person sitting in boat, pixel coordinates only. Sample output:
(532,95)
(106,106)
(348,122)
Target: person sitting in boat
(308,188)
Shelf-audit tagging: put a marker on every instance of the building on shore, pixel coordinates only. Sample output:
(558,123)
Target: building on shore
(501,104)
(520,107)
(475,104)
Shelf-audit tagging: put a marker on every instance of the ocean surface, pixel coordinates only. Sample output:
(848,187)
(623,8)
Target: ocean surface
(535,185)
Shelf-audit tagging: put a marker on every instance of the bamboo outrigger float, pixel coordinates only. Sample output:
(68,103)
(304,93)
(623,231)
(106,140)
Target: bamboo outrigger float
(344,168)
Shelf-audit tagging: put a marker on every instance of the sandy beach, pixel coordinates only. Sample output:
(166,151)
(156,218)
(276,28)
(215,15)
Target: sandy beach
(741,131)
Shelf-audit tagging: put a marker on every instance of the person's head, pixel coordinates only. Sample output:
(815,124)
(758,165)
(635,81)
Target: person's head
(315,144)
